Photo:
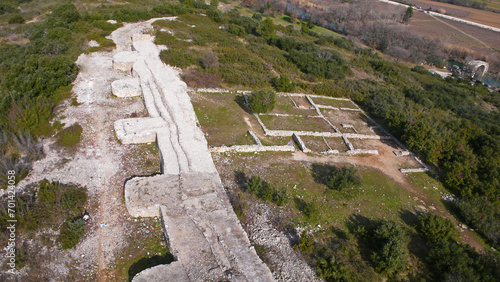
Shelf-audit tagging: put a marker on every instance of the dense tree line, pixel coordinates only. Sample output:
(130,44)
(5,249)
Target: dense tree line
(445,121)
(452,261)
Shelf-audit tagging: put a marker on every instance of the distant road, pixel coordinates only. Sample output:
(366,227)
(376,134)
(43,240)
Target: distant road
(444,16)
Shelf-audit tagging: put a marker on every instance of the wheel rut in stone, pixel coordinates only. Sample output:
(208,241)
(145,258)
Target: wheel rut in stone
(202,230)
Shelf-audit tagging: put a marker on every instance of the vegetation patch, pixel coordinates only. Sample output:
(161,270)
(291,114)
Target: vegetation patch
(284,105)
(49,205)
(333,103)
(262,101)
(296,123)
(146,248)
(69,137)
(260,188)
(336,178)
(222,120)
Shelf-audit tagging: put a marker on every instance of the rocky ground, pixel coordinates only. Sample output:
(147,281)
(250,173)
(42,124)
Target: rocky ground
(101,164)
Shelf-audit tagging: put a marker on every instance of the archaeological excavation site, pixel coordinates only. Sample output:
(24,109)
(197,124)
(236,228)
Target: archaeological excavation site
(162,140)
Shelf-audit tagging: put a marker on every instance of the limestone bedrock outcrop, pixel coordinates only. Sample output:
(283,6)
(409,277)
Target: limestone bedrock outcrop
(202,230)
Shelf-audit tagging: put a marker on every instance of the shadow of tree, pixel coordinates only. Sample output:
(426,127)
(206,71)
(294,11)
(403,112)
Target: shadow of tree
(146,263)
(240,100)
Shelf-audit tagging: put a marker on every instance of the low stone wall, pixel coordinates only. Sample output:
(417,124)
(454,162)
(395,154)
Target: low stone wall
(332,152)
(362,152)
(287,133)
(300,143)
(252,148)
(401,153)
(348,144)
(411,170)
(255,138)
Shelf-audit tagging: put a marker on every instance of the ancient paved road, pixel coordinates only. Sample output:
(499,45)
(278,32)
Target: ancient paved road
(204,234)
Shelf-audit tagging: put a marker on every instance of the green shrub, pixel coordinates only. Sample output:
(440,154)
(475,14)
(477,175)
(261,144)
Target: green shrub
(262,101)
(66,12)
(335,178)
(309,209)
(70,136)
(305,243)
(71,232)
(391,255)
(283,84)
(451,261)
(6,8)
(237,30)
(483,215)
(104,25)
(434,228)
(257,16)
(16,19)
(263,190)
(321,63)
(172,9)
(133,15)
(256,186)
(45,204)
(268,27)
(280,197)
(215,15)
(420,69)
(180,57)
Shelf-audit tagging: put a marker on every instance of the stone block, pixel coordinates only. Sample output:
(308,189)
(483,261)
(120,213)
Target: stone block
(138,130)
(124,61)
(128,87)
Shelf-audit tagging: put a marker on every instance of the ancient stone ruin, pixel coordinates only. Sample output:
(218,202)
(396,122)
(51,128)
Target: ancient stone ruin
(202,230)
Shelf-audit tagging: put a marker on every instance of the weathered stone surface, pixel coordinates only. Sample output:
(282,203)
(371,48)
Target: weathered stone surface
(124,61)
(203,232)
(143,195)
(138,130)
(174,271)
(300,143)
(93,43)
(128,87)
(252,148)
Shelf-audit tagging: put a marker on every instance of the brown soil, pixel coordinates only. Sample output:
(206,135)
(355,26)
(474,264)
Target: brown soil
(475,15)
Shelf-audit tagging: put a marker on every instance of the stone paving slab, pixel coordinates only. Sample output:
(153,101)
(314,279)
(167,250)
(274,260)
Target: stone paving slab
(203,232)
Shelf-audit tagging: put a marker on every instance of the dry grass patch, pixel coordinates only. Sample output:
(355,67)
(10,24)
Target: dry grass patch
(222,119)
(336,143)
(315,144)
(333,103)
(285,106)
(301,102)
(354,118)
(295,123)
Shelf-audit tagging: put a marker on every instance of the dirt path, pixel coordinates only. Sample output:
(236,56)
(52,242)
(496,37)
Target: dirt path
(93,90)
